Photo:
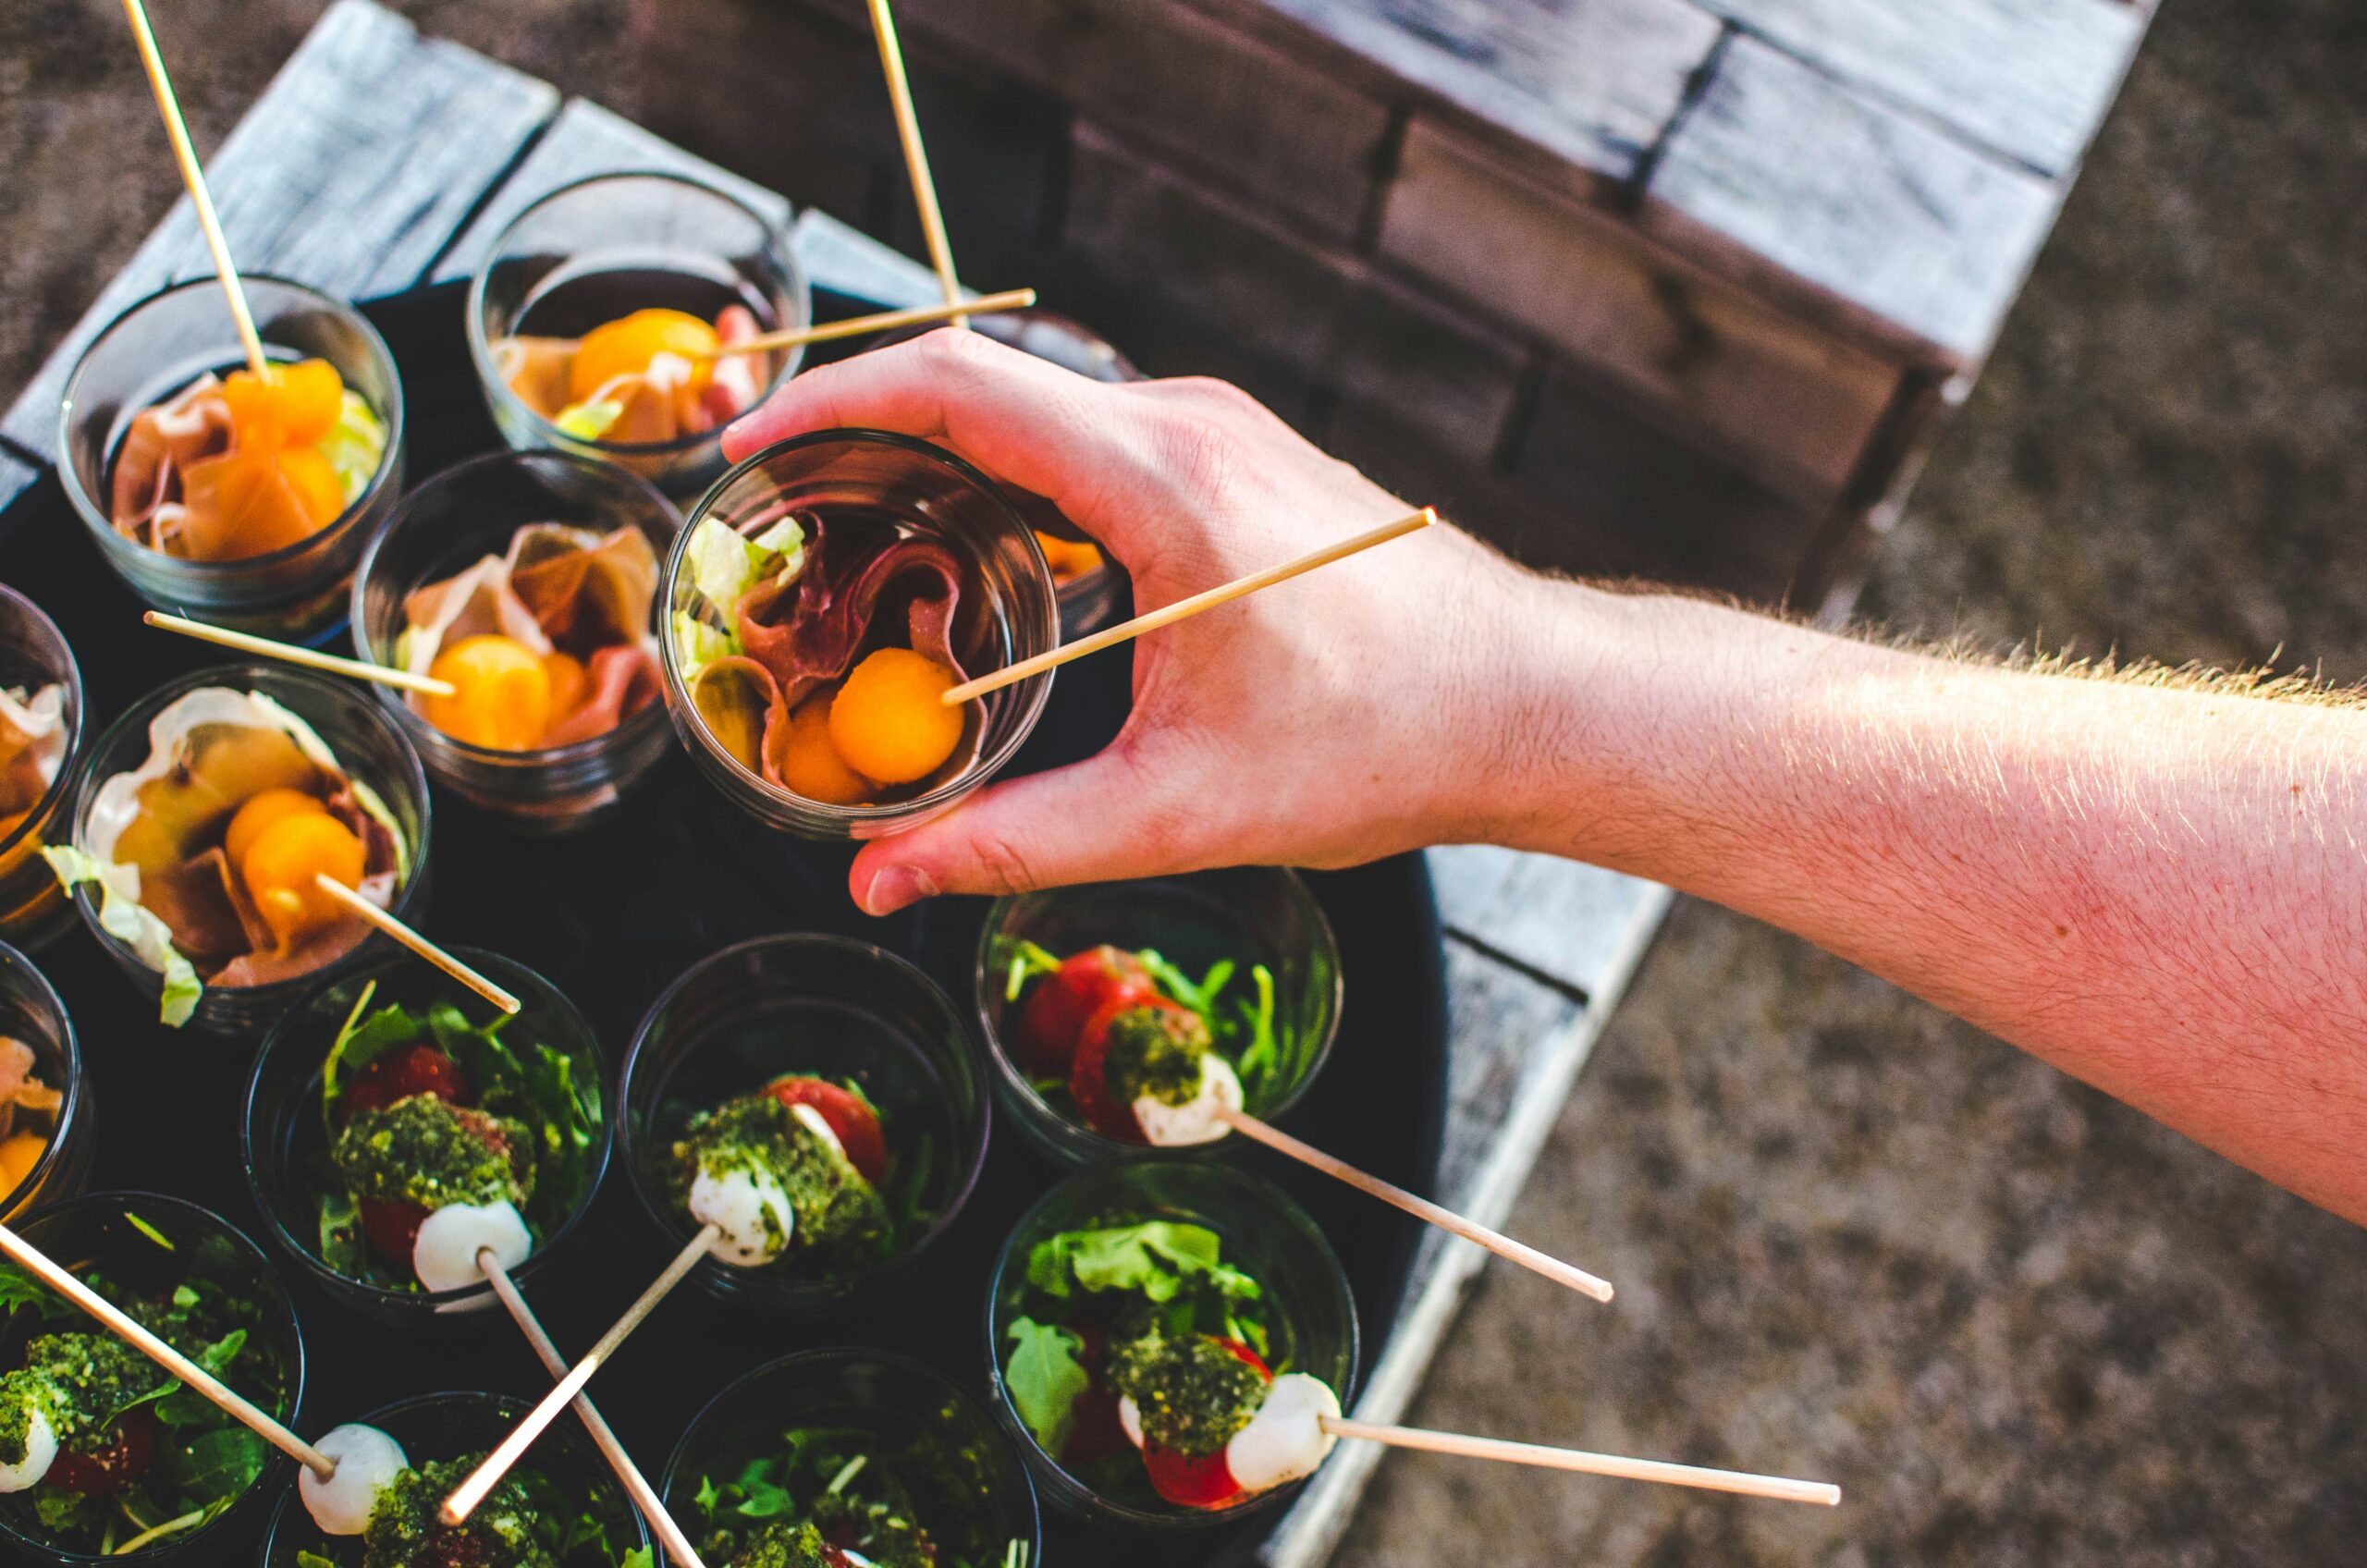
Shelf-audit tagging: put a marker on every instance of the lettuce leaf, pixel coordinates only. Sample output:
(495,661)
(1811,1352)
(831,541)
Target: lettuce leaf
(1045,1379)
(590,420)
(698,644)
(355,445)
(124,917)
(1153,1259)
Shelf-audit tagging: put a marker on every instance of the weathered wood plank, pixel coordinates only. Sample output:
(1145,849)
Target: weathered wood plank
(1571,922)
(2030,78)
(842,259)
(17,477)
(352,171)
(1792,168)
(587,140)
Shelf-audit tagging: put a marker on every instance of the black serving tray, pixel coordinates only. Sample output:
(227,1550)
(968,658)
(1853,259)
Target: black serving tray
(610,916)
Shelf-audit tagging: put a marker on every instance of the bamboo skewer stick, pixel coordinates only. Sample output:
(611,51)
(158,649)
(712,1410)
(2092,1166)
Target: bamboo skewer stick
(371,914)
(1778,1488)
(194,176)
(908,132)
(885,320)
(1184,608)
(486,1477)
(1421,1209)
(288,653)
(116,1321)
(636,1485)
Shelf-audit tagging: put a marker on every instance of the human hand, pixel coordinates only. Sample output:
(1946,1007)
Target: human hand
(1363,710)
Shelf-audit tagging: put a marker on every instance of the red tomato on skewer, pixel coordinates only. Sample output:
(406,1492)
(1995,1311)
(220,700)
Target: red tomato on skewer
(1088,1076)
(1095,1431)
(1053,1017)
(120,1461)
(1204,1482)
(392,1227)
(856,1124)
(417,1069)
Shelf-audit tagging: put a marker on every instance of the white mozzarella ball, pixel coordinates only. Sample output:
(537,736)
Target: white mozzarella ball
(750,1209)
(445,1255)
(367,1463)
(41,1448)
(1197,1120)
(813,1122)
(1130,1419)
(1285,1439)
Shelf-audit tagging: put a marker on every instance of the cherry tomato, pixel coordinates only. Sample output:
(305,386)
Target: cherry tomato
(1205,1482)
(417,1069)
(113,1465)
(1055,1013)
(856,1123)
(392,1227)
(1089,1080)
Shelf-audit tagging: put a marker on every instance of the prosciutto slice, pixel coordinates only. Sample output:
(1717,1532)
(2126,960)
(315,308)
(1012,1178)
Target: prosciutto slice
(32,745)
(806,632)
(20,1090)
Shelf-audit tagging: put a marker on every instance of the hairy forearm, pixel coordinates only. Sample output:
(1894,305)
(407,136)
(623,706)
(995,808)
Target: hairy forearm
(2163,891)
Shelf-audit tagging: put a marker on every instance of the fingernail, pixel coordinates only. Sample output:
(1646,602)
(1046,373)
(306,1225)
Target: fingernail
(894,887)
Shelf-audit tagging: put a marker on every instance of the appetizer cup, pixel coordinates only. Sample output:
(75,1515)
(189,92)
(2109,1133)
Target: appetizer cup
(828,1007)
(606,247)
(564,1478)
(34,658)
(284,1136)
(1250,915)
(367,743)
(32,1014)
(446,525)
(1008,609)
(115,1235)
(158,347)
(917,1433)
(1310,1321)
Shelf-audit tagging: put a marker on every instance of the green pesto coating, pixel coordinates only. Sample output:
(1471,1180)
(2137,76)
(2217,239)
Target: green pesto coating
(427,1151)
(1156,1051)
(785,1546)
(1192,1392)
(404,1531)
(839,1214)
(21,1394)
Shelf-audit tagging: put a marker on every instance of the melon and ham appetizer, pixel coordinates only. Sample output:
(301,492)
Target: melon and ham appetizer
(33,748)
(545,645)
(794,1173)
(28,1114)
(644,379)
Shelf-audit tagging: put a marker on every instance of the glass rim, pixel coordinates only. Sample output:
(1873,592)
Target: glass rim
(94,517)
(668,1219)
(62,784)
(540,993)
(17,970)
(1032,693)
(423,734)
(801,294)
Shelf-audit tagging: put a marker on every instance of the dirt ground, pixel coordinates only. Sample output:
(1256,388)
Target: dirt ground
(1856,1239)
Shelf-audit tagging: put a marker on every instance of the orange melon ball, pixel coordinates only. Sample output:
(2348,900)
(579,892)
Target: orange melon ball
(810,764)
(292,405)
(501,697)
(887,720)
(626,346)
(314,480)
(281,863)
(20,1152)
(262,809)
(569,683)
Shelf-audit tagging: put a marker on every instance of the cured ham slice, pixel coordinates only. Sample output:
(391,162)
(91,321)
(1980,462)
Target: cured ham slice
(33,748)
(658,396)
(807,631)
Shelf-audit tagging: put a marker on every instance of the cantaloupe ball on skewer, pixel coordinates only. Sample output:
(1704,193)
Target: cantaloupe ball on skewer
(889,721)
(501,697)
(626,346)
(810,764)
(280,867)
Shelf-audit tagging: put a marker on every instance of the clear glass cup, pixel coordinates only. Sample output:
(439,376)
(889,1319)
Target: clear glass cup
(284,1136)
(449,1426)
(1008,609)
(827,1007)
(1310,1318)
(1251,914)
(367,744)
(160,346)
(446,525)
(881,1405)
(33,655)
(96,1231)
(31,1012)
(606,247)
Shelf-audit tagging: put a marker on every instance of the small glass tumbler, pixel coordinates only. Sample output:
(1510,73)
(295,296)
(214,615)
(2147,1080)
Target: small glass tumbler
(563,1474)
(284,1134)
(603,247)
(1310,1318)
(114,1235)
(873,480)
(446,525)
(367,746)
(31,1013)
(33,659)
(160,346)
(825,1007)
(1249,915)
(975,1502)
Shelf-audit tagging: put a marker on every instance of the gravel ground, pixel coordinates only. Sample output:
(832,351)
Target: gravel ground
(1854,1237)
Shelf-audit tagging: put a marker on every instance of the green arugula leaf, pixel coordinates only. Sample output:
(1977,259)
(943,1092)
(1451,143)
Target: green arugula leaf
(213,1465)
(1024,961)
(148,1231)
(19,1288)
(1153,1259)
(760,1496)
(1045,1379)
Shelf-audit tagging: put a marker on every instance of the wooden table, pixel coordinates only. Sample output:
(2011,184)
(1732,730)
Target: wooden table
(378,160)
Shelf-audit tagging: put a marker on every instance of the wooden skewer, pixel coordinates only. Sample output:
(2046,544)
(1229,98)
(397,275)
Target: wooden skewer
(192,176)
(287,653)
(1184,608)
(486,1477)
(885,320)
(1780,1489)
(374,915)
(908,130)
(636,1485)
(36,1263)
(1421,1209)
